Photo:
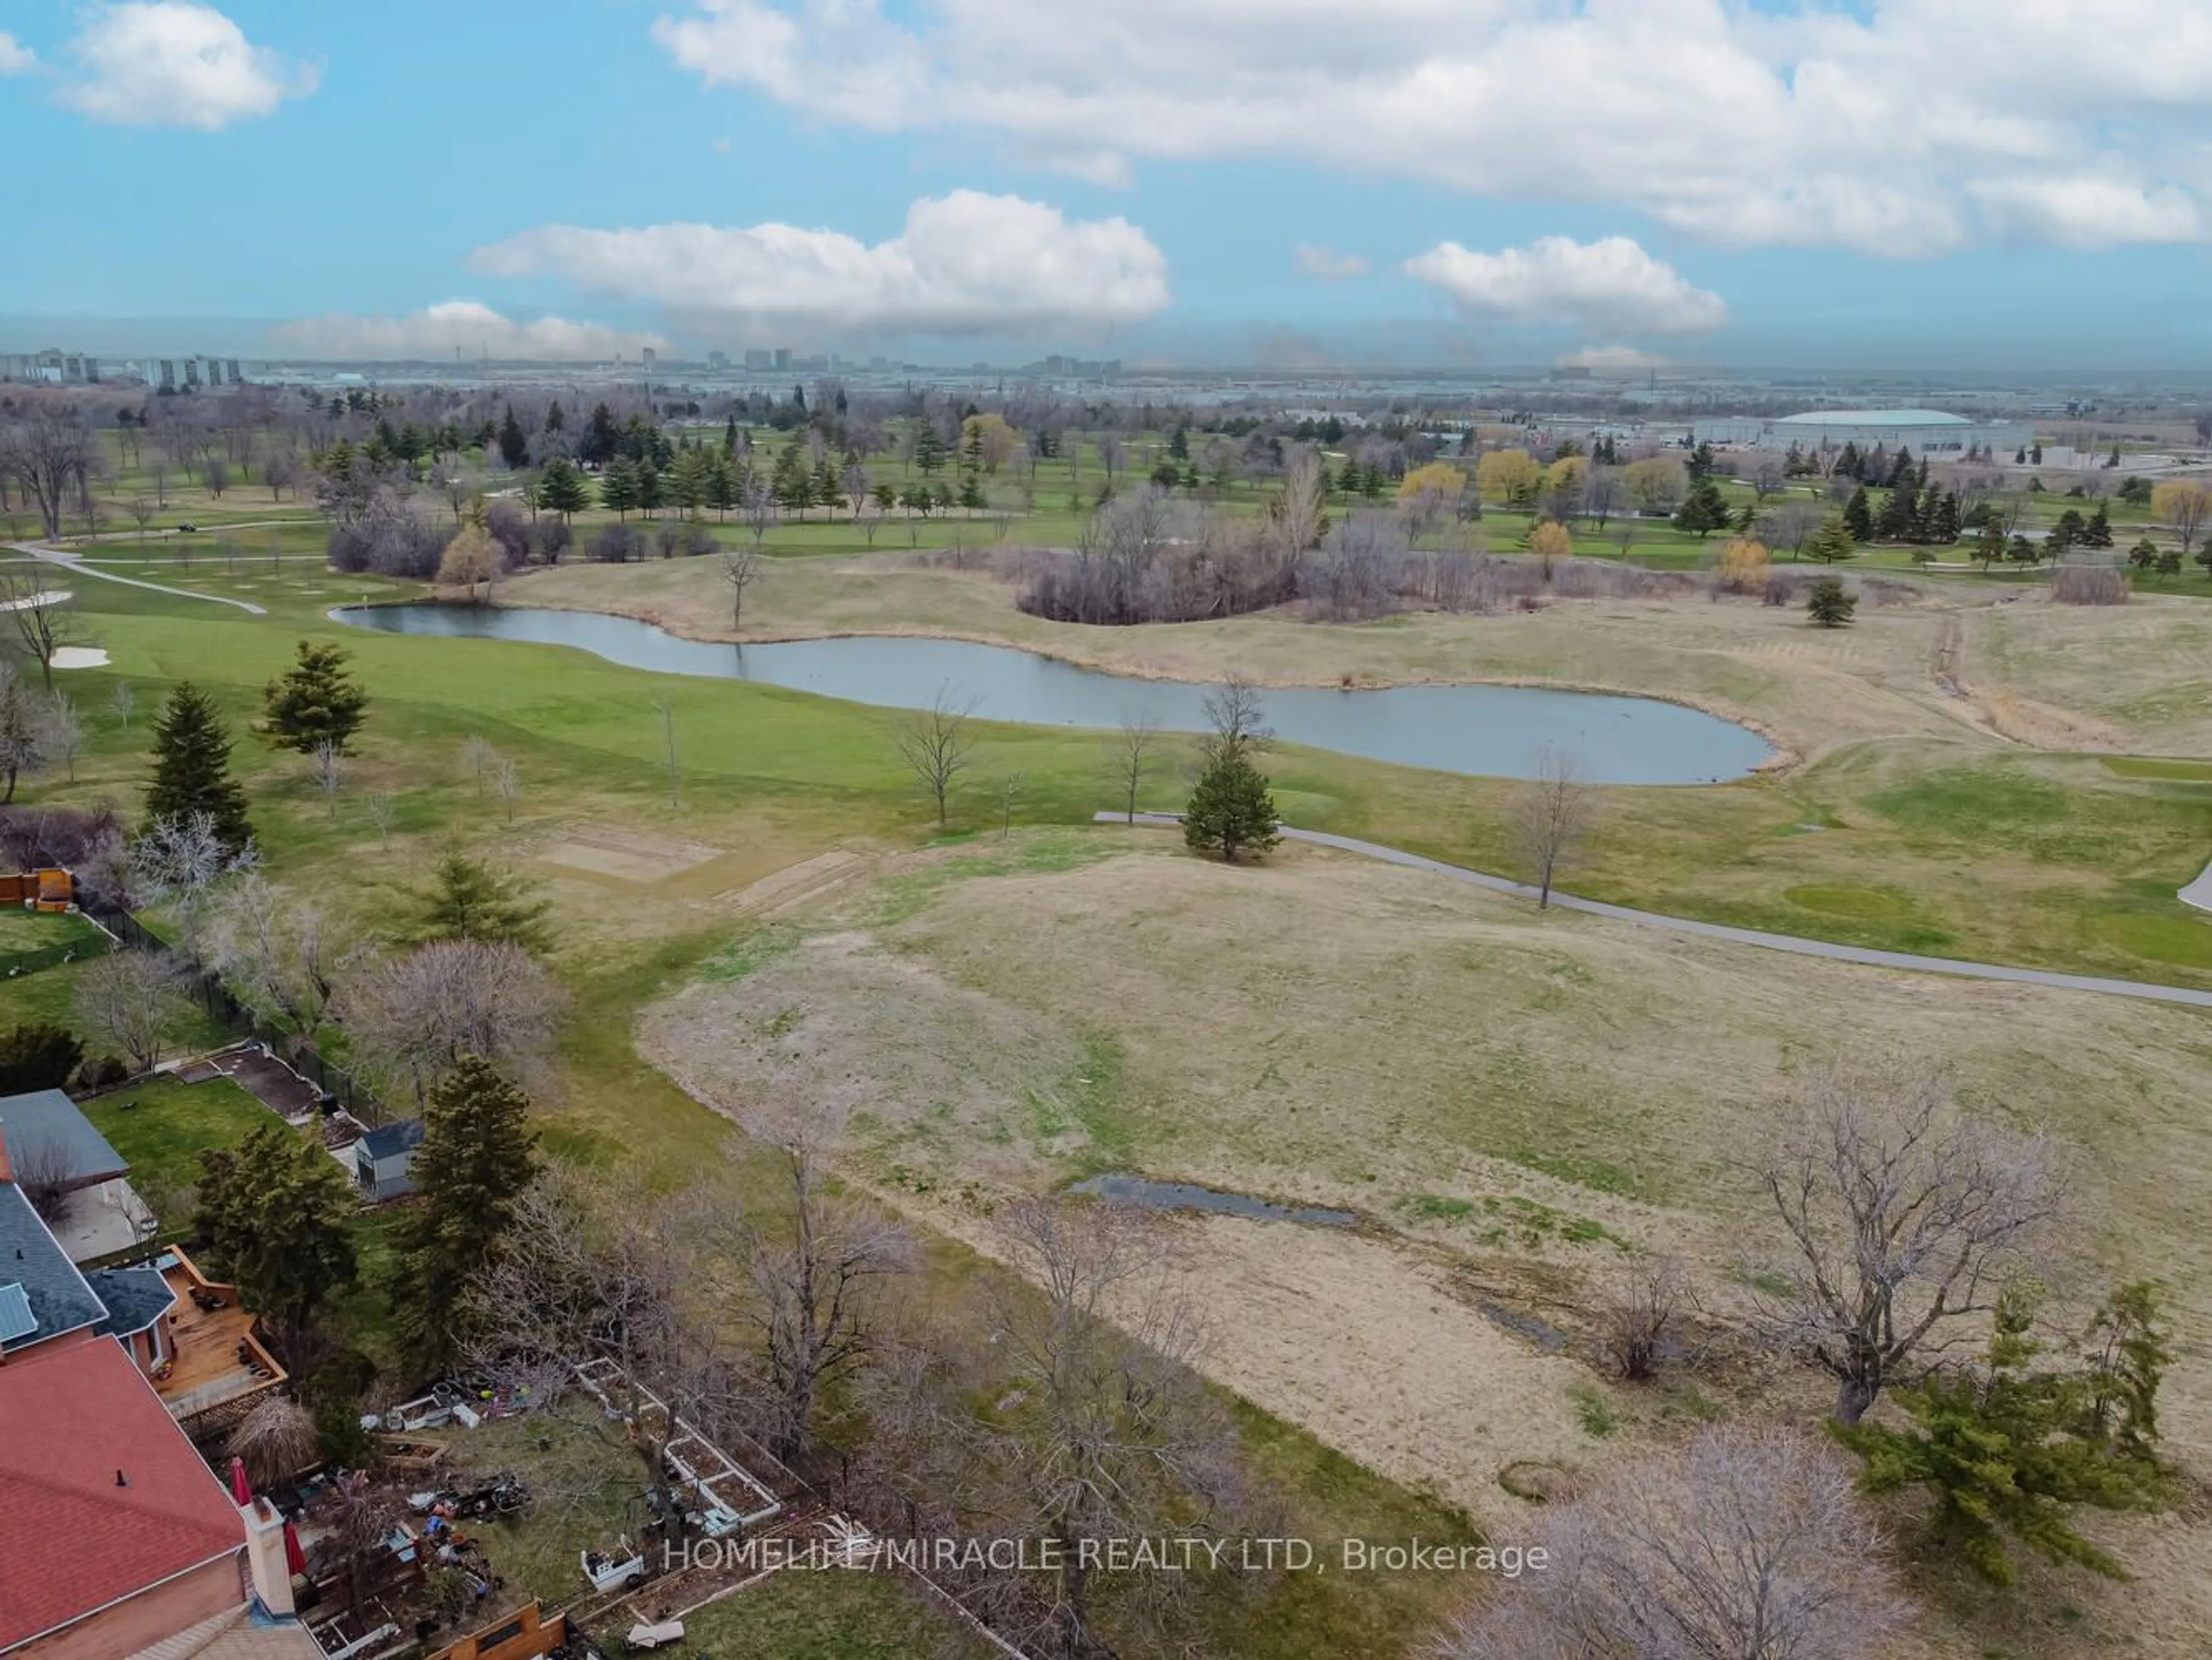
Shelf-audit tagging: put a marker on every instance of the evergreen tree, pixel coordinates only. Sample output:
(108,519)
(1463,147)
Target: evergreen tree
(652,488)
(513,442)
(1829,605)
(1230,810)
(1900,515)
(314,701)
(618,486)
(971,492)
(477,1153)
(192,768)
(468,900)
(2067,533)
(554,419)
(730,436)
(2098,533)
(1989,545)
(1849,464)
(561,487)
(273,1212)
(602,440)
(1700,464)
(1943,526)
(928,449)
(1178,441)
(828,490)
(2008,1449)
(1832,542)
(2144,554)
(1858,516)
(1704,511)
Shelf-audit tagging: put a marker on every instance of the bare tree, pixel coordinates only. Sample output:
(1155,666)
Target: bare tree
(278,1440)
(413,1016)
(327,766)
(1635,1310)
(49,452)
(1132,753)
(123,701)
(1550,817)
(506,779)
(1236,712)
(740,566)
(1904,1218)
(818,1267)
(44,1169)
(936,745)
(1748,1544)
(1009,790)
(1787,525)
(26,732)
(1302,508)
(182,863)
(215,473)
(587,1274)
(141,509)
(476,758)
(758,506)
(383,813)
(278,952)
(40,620)
(131,999)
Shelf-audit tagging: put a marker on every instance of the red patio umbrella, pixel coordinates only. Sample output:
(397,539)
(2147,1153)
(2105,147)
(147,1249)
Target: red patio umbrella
(296,1559)
(240,1488)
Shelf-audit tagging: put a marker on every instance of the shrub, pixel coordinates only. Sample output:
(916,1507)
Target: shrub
(37,1055)
(102,1071)
(1831,606)
(2089,585)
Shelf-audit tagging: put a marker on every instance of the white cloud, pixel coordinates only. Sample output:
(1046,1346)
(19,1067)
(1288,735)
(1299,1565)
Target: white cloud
(1611,286)
(1901,127)
(16,58)
(1327,263)
(174,63)
(966,263)
(461,325)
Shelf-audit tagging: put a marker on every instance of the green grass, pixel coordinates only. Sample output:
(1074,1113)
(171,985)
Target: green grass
(2146,766)
(161,1127)
(2185,942)
(1832,899)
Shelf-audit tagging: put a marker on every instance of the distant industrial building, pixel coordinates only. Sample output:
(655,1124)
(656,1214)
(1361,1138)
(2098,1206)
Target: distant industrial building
(649,358)
(1925,432)
(52,368)
(758,363)
(718,362)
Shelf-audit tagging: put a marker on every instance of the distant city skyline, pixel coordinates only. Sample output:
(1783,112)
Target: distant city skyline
(1665,181)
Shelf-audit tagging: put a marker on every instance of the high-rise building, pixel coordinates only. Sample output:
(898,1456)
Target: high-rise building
(214,371)
(649,357)
(191,370)
(758,362)
(783,357)
(168,375)
(236,379)
(718,362)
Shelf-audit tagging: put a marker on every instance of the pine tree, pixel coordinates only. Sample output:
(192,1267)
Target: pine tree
(652,488)
(314,701)
(1704,511)
(1900,515)
(2009,1448)
(1829,606)
(2098,533)
(273,1212)
(554,419)
(477,1154)
(1178,442)
(928,449)
(618,486)
(602,440)
(1230,810)
(1943,526)
(1858,516)
(513,442)
(561,487)
(468,900)
(1832,542)
(192,768)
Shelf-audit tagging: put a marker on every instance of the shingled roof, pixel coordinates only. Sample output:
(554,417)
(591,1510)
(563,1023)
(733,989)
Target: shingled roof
(71,1539)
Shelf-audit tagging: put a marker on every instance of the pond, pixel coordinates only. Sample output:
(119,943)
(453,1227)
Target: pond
(1182,1195)
(1494,731)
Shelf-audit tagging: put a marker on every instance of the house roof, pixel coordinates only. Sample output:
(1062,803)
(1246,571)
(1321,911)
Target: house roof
(388,1141)
(71,1540)
(49,1118)
(134,1297)
(59,1298)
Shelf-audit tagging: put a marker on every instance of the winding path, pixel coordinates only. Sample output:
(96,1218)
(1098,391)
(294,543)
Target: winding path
(2199,892)
(1788,942)
(74,562)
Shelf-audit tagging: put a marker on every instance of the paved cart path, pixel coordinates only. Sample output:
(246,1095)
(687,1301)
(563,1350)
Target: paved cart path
(1788,942)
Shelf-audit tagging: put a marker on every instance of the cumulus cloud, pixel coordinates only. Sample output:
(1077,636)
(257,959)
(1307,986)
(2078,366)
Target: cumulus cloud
(1835,123)
(1328,264)
(1611,286)
(461,325)
(965,264)
(175,64)
(16,58)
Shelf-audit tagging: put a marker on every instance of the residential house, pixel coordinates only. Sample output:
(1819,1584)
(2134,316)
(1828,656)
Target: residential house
(78,1180)
(188,1335)
(115,1538)
(383,1158)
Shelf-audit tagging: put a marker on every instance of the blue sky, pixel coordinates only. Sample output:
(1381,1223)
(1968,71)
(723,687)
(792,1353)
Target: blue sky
(1501,181)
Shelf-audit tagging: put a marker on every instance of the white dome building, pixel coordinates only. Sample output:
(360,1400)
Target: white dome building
(1925,432)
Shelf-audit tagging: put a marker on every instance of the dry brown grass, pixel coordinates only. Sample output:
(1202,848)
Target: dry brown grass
(1506,1096)
(2144,669)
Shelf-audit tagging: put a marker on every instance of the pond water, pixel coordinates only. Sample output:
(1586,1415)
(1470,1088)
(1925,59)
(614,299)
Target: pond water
(1182,1195)
(1489,730)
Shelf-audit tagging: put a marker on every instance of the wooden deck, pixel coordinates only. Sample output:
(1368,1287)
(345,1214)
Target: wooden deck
(205,1369)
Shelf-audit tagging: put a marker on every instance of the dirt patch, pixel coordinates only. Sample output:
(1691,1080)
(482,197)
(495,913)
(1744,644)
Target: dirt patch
(272,1083)
(632,858)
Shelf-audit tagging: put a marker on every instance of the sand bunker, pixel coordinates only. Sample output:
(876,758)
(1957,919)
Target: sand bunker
(80,657)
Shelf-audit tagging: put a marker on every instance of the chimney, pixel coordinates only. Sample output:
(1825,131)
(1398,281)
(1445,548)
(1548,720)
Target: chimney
(264,1556)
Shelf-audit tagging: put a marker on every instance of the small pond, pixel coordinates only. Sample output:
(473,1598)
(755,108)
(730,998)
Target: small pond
(1182,1195)
(1489,730)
